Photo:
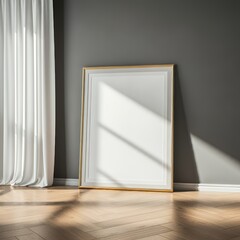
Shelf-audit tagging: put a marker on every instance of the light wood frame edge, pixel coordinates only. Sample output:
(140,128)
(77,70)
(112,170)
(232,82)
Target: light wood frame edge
(82,128)
(172,125)
(126,189)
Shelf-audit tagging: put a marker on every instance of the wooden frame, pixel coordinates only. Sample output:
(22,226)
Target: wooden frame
(92,78)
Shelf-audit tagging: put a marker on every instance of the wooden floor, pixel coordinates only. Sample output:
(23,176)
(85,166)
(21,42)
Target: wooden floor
(71,214)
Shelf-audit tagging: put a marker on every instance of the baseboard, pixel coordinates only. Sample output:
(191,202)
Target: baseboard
(205,187)
(65,182)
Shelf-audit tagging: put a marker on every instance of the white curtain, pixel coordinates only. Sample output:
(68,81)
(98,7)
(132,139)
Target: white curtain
(27,92)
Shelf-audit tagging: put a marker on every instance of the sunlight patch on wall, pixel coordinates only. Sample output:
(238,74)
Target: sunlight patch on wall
(209,158)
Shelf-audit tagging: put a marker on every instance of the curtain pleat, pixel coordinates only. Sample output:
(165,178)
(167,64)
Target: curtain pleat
(27,92)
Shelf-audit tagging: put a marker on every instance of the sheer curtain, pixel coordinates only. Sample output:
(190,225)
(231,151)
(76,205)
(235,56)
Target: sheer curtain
(27,92)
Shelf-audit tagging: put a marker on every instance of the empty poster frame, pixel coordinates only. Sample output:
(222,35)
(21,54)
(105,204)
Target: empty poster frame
(126,136)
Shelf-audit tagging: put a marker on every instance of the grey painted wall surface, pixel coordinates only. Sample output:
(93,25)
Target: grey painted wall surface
(201,37)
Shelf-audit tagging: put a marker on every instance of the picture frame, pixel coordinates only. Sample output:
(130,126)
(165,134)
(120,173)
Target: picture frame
(126,136)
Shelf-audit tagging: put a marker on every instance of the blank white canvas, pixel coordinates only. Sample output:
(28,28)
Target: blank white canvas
(127,134)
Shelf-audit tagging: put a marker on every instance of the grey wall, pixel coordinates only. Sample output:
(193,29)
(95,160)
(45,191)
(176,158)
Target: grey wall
(201,37)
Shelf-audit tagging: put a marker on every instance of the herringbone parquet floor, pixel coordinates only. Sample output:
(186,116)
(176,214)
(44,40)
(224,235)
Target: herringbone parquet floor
(72,214)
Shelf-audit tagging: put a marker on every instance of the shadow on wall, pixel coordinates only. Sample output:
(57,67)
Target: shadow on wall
(60,145)
(183,149)
(195,153)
